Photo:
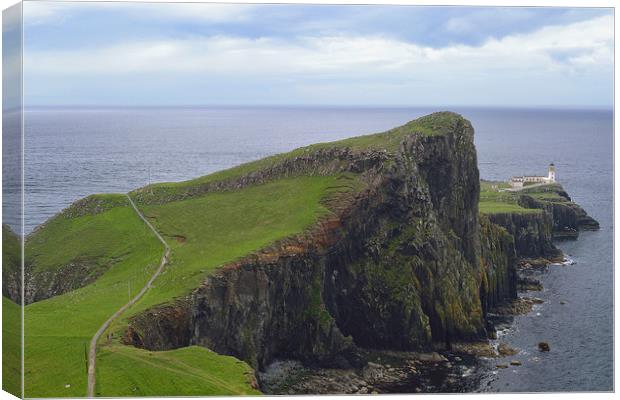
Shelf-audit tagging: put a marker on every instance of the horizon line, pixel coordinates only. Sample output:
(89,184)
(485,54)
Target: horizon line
(443,107)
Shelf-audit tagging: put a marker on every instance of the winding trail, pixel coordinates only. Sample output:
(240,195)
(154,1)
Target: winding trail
(92,352)
(528,187)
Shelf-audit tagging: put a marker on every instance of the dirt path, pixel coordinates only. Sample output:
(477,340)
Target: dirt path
(527,187)
(92,352)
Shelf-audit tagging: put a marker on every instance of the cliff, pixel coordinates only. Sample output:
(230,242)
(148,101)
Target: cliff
(11,265)
(398,265)
(535,217)
(568,217)
(532,232)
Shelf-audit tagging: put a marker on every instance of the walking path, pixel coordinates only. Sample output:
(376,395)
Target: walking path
(527,187)
(92,352)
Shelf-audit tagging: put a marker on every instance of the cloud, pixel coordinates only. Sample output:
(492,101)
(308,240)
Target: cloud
(555,63)
(586,42)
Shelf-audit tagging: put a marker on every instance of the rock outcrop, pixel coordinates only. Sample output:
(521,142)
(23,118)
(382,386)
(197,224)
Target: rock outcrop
(568,217)
(43,283)
(11,265)
(532,232)
(551,215)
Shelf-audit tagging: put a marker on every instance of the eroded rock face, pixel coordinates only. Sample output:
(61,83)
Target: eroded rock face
(532,232)
(41,285)
(568,217)
(399,266)
(498,259)
(11,265)
(161,328)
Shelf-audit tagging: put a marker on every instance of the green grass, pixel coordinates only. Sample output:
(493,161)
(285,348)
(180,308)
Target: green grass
(496,207)
(11,347)
(221,227)
(548,196)
(433,124)
(101,237)
(11,315)
(488,186)
(58,329)
(189,371)
(494,201)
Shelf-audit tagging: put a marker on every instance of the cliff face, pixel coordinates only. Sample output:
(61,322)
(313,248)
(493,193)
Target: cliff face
(43,283)
(400,265)
(568,218)
(532,232)
(11,265)
(548,214)
(498,259)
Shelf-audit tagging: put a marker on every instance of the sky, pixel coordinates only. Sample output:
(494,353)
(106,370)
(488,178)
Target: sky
(241,54)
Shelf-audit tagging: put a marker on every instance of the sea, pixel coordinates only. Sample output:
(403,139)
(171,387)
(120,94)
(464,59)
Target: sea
(73,152)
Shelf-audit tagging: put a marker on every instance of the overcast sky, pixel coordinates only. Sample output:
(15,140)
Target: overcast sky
(206,54)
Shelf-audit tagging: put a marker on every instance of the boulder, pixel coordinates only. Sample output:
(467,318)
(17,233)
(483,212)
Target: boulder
(505,350)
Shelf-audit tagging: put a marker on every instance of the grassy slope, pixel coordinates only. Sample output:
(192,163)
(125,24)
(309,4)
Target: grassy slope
(101,237)
(11,317)
(220,227)
(58,329)
(492,201)
(11,347)
(190,371)
(434,124)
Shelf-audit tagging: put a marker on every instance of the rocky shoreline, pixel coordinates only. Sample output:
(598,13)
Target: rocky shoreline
(384,372)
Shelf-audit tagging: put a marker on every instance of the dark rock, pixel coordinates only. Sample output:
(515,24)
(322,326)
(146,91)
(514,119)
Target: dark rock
(525,283)
(568,217)
(432,357)
(515,362)
(543,346)
(532,232)
(505,350)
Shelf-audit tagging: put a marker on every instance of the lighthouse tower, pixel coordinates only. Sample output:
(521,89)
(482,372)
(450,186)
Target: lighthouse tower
(551,176)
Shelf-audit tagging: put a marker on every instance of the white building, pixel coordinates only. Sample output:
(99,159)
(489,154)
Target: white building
(520,181)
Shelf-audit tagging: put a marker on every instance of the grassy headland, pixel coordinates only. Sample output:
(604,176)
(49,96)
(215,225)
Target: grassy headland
(205,230)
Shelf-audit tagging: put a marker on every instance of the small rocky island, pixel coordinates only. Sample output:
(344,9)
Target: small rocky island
(397,273)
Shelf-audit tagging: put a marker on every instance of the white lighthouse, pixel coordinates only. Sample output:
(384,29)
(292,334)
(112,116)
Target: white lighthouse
(519,182)
(551,176)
